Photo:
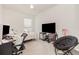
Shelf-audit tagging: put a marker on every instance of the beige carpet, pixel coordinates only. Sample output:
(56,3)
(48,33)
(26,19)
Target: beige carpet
(38,47)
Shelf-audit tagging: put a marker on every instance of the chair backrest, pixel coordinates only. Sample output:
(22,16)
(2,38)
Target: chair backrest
(65,42)
(24,35)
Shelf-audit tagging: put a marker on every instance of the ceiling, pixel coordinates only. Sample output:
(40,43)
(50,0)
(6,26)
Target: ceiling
(25,8)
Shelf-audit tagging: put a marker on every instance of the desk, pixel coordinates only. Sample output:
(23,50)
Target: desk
(6,41)
(6,47)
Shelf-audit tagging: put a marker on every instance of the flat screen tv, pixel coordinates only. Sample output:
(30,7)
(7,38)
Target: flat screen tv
(6,29)
(49,27)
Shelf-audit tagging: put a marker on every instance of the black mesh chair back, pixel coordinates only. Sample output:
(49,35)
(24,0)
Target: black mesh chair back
(24,35)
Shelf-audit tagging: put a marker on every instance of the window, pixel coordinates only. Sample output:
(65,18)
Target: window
(27,24)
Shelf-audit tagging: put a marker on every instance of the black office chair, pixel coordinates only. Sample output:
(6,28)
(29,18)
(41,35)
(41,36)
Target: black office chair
(24,35)
(65,44)
(21,46)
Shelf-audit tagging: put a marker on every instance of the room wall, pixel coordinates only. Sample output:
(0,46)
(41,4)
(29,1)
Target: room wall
(15,19)
(63,15)
(77,18)
(1,18)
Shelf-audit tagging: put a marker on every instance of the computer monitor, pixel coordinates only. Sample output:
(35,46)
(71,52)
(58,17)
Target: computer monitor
(6,29)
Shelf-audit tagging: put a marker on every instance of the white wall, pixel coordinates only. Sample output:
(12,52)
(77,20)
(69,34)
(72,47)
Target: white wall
(77,19)
(63,15)
(65,18)
(1,18)
(15,19)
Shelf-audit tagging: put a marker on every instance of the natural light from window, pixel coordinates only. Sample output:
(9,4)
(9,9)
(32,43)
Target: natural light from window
(27,24)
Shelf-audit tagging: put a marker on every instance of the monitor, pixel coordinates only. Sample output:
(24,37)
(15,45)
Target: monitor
(6,29)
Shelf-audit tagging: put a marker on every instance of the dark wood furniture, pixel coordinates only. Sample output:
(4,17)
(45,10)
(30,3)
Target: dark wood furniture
(6,48)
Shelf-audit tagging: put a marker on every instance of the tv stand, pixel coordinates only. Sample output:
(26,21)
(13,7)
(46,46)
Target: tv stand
(49,37)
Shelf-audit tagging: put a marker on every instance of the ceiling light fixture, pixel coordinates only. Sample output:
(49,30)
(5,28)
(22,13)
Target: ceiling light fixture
(31,6)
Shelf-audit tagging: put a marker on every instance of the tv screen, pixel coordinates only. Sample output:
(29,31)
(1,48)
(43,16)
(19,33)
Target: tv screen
(6,29)
(49,27)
